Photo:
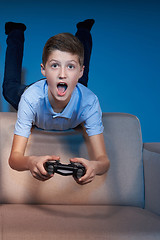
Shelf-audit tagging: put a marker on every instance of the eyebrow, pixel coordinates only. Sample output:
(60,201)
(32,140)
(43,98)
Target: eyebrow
(54,60)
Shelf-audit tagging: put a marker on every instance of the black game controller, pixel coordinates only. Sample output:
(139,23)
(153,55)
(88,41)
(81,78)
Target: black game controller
(77,170)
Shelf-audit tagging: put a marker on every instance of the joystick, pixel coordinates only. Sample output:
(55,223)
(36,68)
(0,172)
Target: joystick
(77,170)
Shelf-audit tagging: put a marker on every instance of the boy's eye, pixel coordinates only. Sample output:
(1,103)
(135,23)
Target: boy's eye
(70,66)
(55,65)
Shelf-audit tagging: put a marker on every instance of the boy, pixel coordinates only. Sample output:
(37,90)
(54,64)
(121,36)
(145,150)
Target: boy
(12,86)
(59,102)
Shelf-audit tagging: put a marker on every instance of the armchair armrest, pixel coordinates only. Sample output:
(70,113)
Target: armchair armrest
(151,160)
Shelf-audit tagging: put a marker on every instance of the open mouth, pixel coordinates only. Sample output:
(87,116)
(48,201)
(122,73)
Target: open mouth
(62,87)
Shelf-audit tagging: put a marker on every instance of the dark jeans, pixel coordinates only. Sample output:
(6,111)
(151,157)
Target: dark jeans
(12,87)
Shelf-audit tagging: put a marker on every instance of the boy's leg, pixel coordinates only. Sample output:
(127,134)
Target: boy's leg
(12,88)
(84,35)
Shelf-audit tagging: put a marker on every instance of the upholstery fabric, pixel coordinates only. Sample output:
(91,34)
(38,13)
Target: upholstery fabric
(152,178)
(109,208)
(152,147)
(39,222)
(123,185)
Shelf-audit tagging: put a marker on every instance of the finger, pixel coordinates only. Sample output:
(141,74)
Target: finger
(42,171)
(54,157)
(38,177)
(89,175)
(50,158)
(86,176)
(41,175)
(85,182)
(80,160)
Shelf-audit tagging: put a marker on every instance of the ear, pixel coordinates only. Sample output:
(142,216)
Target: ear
(43,69)
(82,71)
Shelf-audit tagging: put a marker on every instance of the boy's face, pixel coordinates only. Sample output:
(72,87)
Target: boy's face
(62,71)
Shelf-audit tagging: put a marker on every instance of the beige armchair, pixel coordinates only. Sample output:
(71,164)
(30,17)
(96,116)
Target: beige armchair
(122,204)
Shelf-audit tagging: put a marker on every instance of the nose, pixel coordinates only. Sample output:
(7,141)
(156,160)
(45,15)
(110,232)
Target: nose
(62,73)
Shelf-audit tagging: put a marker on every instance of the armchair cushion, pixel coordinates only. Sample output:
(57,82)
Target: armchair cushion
(39,222)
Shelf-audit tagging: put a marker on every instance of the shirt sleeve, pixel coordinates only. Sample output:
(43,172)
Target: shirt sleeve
(93,122)
(25,118)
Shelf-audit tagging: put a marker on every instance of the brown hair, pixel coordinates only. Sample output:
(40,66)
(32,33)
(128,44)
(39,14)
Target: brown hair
(65,42)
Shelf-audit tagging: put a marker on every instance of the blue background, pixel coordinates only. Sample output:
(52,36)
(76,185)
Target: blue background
(124,72)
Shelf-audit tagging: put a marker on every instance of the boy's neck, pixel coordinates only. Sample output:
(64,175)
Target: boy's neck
(57,110)
(57,106)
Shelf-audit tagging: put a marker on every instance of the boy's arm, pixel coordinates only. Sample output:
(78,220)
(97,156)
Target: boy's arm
(99,163)
(35,164)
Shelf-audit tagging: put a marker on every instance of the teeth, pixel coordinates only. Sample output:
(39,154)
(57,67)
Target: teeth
(62,84)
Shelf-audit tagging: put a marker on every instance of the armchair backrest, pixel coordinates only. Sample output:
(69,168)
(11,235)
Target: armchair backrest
(122,185)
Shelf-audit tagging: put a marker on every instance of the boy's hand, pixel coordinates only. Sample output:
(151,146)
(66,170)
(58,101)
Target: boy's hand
(90,170)
(36,166)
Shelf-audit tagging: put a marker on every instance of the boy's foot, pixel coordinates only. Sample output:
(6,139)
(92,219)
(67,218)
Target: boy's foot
(10,26)
(88,23)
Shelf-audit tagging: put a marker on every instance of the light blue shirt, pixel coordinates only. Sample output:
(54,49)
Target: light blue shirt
(35,109)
